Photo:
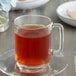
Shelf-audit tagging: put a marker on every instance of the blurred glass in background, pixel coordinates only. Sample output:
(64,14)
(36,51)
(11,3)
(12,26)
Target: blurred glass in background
(5,6)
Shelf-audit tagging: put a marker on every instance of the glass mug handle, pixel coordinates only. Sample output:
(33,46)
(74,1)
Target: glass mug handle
(58,52)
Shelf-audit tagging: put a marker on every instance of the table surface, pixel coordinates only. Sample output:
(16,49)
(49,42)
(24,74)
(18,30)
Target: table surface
(49,9)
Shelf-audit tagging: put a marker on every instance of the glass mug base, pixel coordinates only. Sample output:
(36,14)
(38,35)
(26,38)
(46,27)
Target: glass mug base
(32,69)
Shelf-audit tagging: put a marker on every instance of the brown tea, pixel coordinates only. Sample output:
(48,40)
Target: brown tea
(32,45)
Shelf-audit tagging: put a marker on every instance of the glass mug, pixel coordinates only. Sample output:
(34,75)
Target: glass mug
(33,51)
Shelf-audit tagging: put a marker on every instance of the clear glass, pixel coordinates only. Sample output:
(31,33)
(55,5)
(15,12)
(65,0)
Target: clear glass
(33,51)
(4,20)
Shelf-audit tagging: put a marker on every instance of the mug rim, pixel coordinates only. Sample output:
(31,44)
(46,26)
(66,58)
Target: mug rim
(43,16)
